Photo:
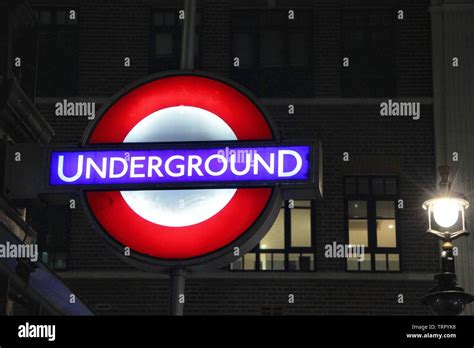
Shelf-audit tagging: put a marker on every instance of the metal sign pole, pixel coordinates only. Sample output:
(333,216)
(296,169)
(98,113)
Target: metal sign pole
(177,282)
(187,47)
(178,275)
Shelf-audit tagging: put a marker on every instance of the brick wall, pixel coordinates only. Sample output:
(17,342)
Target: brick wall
(255,297)
(109,31)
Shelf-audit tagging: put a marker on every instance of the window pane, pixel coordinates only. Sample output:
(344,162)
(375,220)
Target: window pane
(45,17)
(393,262)
(302,204)
(363,186)
(266,262)
(299,49)
(390,186)
(271,48)
(293,262)
(60,17)
(301,262)
(307,262)
(380,36)
(169,18)
(386,234)
(352,264)
(249,261)
(357,209)
(244,49)
(163,44)
(386,209)
(366,40)
(236,265)
(360,20)
(354,39)
(273,18)
(380,262)
(158,18)
(358,232)
(366,264)
(375,19)
(275,238)
(377,186)
(300,227)
(57,59)
(60,261)
(278,262)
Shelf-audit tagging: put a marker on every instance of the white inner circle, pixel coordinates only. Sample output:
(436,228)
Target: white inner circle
(178,208)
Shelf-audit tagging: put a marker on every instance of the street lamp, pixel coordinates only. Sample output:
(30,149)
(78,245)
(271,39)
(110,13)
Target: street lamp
(446,221)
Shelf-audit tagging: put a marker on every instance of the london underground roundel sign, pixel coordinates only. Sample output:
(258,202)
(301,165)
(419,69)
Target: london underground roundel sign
(181,169)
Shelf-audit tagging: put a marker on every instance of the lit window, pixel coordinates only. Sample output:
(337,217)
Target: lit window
(275,238)
(266,261)
(249,262)
(386,234)
(301,227)
(288,245)
(358,232)
(371,221)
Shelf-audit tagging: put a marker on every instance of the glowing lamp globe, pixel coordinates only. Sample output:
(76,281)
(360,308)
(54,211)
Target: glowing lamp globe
(446,212)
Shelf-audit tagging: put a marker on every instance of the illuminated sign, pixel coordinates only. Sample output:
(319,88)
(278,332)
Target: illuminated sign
(184,170)
(180,166)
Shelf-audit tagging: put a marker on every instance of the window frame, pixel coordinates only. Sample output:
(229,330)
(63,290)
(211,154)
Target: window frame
(45,243)
(256,70)
(371,198)
(176,31)
(53,28)
(287,249)
(348,74)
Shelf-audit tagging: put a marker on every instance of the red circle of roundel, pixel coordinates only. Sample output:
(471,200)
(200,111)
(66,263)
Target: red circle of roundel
(163,242)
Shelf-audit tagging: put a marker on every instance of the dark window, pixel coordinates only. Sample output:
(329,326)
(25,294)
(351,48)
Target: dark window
(287,246)
(24,38)
(368,40)
(274,52)
(58,52)
(371,210)
(54,236)
(166,37)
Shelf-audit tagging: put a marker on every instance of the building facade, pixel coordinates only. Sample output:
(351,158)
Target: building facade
(328,70)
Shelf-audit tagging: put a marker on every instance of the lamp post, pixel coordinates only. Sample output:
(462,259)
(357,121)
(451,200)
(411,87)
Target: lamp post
(446,221)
